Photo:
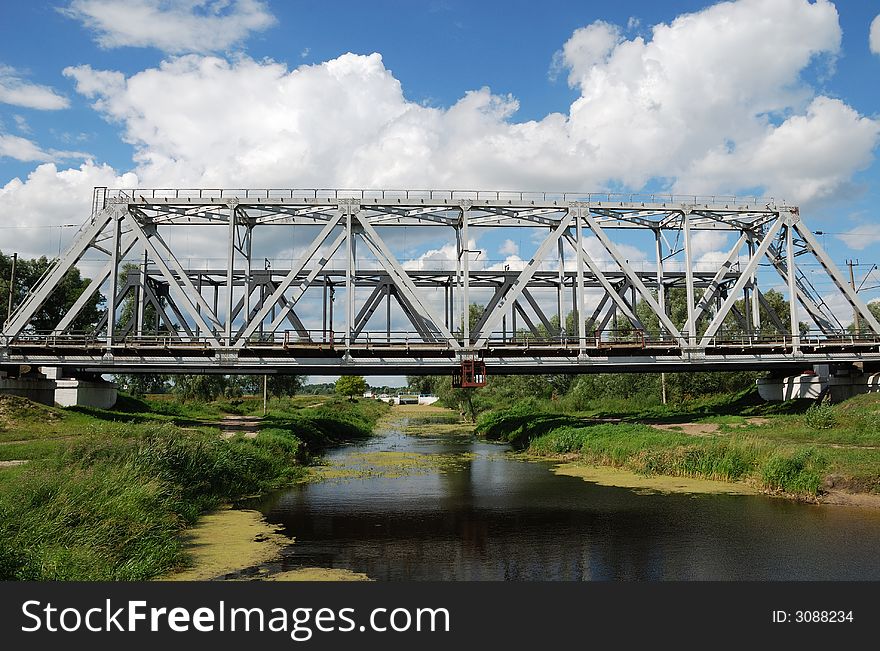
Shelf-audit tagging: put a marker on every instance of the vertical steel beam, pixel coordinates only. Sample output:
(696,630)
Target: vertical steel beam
(141,298)
(114,282)
(466,277)
(755,294)
(458,283)
(248,249)
(661,288)
(324,311)
(792,284)
(388,313)
(689,278)
(560,305)
(230,267)
(577,213)
(349,277)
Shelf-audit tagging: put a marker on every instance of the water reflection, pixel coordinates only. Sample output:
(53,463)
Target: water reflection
(494,517)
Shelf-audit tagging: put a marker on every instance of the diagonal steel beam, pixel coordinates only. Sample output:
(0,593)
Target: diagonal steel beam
(500,291)
(609,288)
(403,282)
(525,317)
(522,280)
(771,313)
(185,280)
(538,311)
(90,290)
(633,278)
(410,312)
(851,296)
(288,280)
(301,289)
(714,286)
(812,307)
(183,293)
(741,282)
(368,308)
(50,281)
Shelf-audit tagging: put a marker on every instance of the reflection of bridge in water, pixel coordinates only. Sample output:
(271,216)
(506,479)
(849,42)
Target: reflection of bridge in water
(344,302)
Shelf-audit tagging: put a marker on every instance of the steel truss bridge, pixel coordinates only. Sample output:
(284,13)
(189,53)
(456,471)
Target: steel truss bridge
(347,303)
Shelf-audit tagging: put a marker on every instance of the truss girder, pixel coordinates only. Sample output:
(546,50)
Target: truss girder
(221,309)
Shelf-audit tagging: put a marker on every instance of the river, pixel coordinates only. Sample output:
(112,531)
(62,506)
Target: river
(427,501)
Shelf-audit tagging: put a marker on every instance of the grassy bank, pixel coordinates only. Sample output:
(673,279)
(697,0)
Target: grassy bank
(790,448)
(105,494)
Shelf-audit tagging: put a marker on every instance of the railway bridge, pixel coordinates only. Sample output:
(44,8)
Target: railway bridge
(402,282)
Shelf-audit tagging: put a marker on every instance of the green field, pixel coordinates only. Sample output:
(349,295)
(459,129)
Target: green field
(104,494)
(794,448)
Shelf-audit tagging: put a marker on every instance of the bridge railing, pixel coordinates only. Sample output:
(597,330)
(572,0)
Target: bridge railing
(600,339)
(216,194)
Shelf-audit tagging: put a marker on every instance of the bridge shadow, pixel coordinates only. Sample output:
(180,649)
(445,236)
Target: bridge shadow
(746,403)
(129,409)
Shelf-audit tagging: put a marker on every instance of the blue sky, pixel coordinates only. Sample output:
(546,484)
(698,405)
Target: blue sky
(776,97)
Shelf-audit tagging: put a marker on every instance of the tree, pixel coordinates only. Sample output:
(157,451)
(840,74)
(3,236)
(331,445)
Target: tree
(874,309)
(200,387)
(27,274)
(423,384)
(277,385)
(351,386)
(140,384)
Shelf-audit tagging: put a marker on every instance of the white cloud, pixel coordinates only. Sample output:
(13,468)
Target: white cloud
(444,258)
(21,123)
(21,149)
(874,38)
(26,150)
(861,236)
(677,107)
(18,92)
(173,26)
(50,198)
(508,247)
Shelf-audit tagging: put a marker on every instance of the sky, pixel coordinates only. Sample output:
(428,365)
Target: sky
(774,98)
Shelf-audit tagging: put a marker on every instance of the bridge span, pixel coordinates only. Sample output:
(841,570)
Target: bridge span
(395,282)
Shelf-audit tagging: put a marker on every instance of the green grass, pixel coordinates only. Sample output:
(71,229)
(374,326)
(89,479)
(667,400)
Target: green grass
(106,493)
(789,448)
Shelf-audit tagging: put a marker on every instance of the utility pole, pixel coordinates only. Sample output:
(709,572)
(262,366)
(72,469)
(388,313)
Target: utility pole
(265,394)
(11,286)
(852,282)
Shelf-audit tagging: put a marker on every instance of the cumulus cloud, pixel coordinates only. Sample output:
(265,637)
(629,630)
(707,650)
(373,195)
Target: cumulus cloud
(15,90)
(861,236)
(50,197)
(508,247)
(173,26)
(676,107)
(874,38)
(673,107)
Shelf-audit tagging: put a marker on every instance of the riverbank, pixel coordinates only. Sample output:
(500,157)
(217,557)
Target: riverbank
(829,454)
(105,495)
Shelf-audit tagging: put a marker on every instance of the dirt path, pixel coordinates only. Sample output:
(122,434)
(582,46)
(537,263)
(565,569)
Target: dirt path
(246,425)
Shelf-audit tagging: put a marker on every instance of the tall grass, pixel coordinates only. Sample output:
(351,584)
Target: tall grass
(111,504)
(644,449)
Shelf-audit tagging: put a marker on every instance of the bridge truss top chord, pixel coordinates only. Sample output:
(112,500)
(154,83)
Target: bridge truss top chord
(579,304)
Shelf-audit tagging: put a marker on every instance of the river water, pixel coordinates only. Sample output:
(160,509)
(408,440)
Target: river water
(440,505)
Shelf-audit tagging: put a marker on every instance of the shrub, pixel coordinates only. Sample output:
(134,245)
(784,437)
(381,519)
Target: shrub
(796,473)
(820,416)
